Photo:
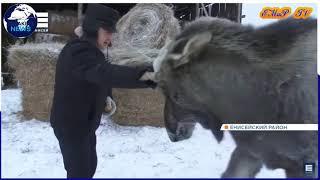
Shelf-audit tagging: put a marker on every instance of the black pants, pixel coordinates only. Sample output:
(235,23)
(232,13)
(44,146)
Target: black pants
(79,153)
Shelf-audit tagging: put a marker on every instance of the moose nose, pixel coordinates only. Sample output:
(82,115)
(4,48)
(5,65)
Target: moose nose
(173,137)
(185,130)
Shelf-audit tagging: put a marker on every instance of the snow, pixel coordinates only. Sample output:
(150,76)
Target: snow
(30,150)
(53,48)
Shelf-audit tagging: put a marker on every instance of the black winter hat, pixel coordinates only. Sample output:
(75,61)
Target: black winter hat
(98,15)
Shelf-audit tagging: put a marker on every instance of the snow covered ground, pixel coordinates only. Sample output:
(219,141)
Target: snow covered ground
(29,150)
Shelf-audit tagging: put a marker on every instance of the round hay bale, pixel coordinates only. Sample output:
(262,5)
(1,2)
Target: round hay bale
(63,22)
(131,56)
(34,66)
(147,26)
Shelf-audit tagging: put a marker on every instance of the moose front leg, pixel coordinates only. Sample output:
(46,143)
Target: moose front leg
(242,165)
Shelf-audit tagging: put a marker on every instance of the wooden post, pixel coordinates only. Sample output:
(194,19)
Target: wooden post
(239,12)
(204,9)
(210,9)
(197,11)
(80,7)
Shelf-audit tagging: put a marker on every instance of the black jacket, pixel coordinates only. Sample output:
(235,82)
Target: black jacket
(83,80)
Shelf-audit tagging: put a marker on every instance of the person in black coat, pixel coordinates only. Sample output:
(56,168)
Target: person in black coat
(83,81)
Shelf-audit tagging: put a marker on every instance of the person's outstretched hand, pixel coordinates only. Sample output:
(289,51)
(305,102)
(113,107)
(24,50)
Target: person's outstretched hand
(147,76)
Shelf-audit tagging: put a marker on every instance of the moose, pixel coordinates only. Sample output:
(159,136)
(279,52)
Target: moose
(220,72)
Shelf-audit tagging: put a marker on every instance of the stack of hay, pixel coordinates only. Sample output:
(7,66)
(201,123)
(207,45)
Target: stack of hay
(34,66)
(143,31)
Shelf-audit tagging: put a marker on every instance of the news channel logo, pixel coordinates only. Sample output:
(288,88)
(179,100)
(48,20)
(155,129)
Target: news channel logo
(309,168)
(21,20)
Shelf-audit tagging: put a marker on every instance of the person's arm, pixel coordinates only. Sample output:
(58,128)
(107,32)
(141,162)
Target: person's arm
(87,67)
(127,77)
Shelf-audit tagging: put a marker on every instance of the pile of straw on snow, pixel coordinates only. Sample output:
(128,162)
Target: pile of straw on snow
(34,66)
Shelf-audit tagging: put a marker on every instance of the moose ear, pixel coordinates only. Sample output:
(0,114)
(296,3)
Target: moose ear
(194,45)
(197,42)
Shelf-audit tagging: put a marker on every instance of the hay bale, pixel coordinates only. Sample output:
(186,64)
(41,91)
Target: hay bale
(62,22)
(147,26)
(138,107)
(132,57)
(34,66)
(142,32)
